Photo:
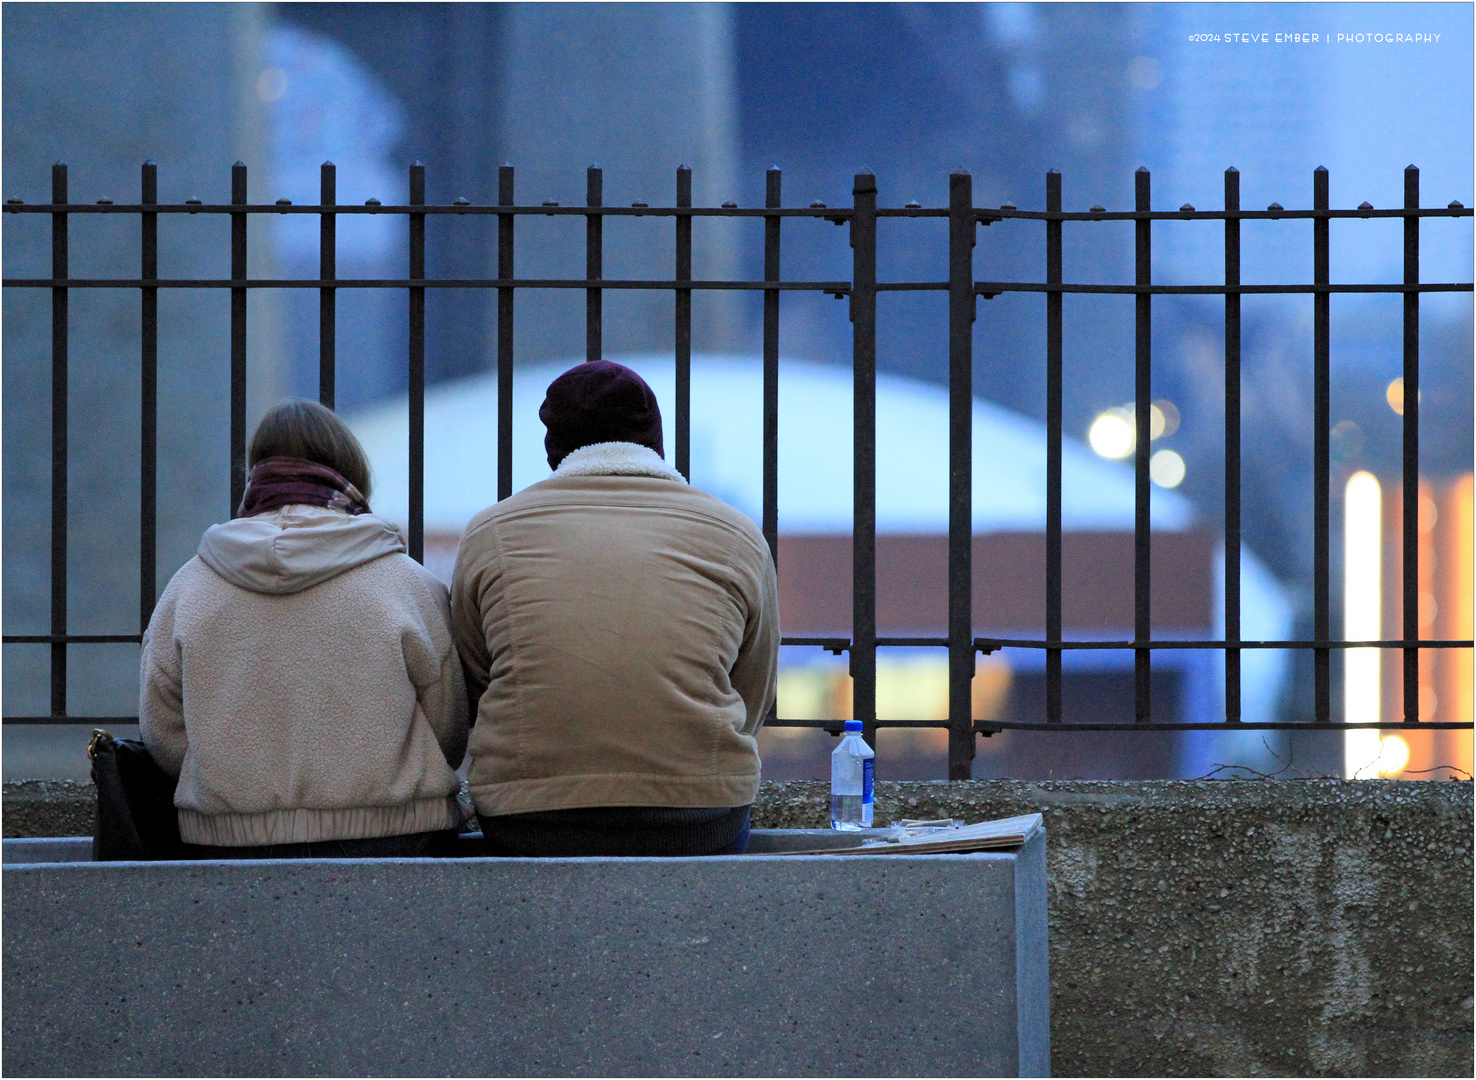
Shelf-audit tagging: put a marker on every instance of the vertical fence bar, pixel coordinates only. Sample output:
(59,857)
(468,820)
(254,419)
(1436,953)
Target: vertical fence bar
(684,325)
(863,457)
(505,272)
(772,200)
(1232,449)
(1142,405)
(1321,462)
(148,398)
(1053,451)
(417,366)
(59,365)
(962,231)
(1411,508)
(327,298)
(238,338)
(594,260)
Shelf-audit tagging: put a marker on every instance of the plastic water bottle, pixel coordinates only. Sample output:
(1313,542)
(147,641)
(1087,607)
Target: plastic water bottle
(852,777)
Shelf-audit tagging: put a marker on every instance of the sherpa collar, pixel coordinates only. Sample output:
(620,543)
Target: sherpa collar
(616,459)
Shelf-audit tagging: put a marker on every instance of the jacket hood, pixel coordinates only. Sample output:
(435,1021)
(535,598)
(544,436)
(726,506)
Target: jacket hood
(296,547)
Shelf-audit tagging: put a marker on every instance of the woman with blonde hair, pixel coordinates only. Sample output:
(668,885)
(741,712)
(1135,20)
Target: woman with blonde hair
(298,674)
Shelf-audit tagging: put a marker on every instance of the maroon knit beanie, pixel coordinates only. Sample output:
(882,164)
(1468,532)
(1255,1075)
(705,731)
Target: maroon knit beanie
(599,401)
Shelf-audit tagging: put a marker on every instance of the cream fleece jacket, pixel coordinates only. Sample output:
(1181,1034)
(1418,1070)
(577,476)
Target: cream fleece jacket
(620,633)
(300,678)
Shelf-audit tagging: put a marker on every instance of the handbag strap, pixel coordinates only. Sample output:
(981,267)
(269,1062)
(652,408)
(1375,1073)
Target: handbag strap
(98,735)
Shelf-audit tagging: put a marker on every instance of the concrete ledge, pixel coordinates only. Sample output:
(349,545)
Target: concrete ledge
(74,849)
(1301,927)
(740,965)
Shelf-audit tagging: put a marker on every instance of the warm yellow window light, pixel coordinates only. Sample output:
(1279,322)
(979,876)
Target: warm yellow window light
(1393,755)
(1363,750)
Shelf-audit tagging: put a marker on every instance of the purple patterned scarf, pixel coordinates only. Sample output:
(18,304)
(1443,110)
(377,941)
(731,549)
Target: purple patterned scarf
(281,481)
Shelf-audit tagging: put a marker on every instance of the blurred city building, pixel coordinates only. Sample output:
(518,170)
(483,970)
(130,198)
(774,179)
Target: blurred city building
(1276,111)
(103,87)
(1006,90)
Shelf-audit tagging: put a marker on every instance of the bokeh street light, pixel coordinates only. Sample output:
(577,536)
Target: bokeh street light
(1111,434)
(1166,469)
(1394,395)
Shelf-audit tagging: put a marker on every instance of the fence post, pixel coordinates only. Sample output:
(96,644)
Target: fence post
(238,338)
(1053,450)
(505,223)
(684,324)
(417,366)
(59,402)
(1232,447)
(594,263)
(1411,493)
(148,399)
(327,297)
(1142,408)
(863,527)
(772,198)
(962,231)
(1321,463)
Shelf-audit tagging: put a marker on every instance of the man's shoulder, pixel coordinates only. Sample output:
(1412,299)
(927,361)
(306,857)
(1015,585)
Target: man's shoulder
(712,506)
(617,492)
(531,496)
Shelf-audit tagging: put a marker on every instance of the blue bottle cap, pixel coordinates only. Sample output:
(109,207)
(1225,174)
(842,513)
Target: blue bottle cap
(853,725)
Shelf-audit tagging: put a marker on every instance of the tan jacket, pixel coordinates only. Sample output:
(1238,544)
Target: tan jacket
(300,679)
(620,630)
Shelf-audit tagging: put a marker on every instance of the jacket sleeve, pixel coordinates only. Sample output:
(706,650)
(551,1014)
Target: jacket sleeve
(755,674)
(436,673)
(466,626)
(161,691)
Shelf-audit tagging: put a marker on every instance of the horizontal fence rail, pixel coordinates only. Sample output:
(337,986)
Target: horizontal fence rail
(964,219)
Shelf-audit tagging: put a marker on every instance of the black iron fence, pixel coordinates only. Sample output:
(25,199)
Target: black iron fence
(964,220)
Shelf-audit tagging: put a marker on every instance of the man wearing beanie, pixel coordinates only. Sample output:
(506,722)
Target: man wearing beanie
(619,631)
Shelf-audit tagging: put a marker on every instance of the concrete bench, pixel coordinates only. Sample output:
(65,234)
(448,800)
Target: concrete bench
(754,964)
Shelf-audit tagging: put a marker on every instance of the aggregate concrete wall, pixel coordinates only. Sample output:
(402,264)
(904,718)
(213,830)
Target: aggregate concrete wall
(1272,928)
(46,808)
(1295,927)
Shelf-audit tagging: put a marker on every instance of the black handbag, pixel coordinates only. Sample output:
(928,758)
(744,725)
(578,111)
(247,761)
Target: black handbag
(135,817)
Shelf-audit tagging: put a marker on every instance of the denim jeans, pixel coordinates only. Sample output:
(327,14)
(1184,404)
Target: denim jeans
(619,830)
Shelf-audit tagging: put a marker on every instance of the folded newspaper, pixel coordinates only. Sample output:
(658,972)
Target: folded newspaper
(940,838)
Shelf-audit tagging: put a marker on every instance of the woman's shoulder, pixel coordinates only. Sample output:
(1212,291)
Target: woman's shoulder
(397,574)
(191,577)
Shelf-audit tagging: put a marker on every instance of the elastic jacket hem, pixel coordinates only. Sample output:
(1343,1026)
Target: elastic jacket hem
(305,825)
(613,789)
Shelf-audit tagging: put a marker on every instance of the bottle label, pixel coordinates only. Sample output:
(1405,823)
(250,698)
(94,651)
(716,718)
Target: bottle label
(868,777)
